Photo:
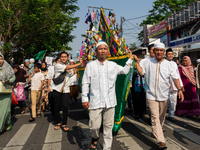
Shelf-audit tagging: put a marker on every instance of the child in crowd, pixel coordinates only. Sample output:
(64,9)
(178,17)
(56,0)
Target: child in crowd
(31,66)
(37,79)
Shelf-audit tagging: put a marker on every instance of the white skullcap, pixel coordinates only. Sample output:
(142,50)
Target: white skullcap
(71,60)
(101,43)
(159,45)
(32,60)
(198,61)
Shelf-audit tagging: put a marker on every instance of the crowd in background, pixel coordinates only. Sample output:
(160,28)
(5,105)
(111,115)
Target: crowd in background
(30,85)
(37,87)
(190,77)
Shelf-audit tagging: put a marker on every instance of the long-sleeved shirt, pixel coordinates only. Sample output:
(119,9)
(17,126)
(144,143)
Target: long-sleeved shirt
(157,76)
(175,67)
(101,78)
(50,75)
(142,62)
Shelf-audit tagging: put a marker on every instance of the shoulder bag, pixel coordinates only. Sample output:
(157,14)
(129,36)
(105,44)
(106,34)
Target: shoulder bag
(60,78)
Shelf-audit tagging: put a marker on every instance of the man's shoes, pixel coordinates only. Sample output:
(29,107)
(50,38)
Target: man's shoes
(137,117)
(31,119)
(162,145)
(171,119)
(130,110)
(163,129)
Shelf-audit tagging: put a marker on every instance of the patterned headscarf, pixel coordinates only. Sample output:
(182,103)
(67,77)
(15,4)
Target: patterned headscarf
(6,71)
(188,71)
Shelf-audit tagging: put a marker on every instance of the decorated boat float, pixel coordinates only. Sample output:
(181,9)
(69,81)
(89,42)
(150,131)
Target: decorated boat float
(108,32)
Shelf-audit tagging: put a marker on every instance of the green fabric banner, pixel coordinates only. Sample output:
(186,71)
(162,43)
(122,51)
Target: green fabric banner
(40,55)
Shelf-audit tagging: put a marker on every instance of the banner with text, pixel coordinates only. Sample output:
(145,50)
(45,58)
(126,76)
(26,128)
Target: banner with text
(157,29)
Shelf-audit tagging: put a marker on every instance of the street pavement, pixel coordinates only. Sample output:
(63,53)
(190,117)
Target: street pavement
(134,134)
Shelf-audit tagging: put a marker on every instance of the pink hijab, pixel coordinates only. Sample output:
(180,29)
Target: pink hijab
(188,71)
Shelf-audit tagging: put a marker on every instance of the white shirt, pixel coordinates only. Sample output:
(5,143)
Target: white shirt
(157,76)
(175,67)
(58,69)
(50,75)
(74,79)
(142,62)
(36,81)
(101,79)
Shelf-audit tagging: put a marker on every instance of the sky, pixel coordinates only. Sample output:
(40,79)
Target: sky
(125,8)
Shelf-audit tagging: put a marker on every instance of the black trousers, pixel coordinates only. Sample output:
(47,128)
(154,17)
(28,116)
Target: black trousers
(20,104)
(61,100)
(51,102)
(139,102)
(28,97)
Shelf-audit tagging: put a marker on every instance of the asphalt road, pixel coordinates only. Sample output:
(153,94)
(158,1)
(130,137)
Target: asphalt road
(134,134)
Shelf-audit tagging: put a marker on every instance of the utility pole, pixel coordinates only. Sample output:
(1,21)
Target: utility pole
(121,24)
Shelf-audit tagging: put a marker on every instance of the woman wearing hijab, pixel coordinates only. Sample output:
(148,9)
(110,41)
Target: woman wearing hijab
(7,76)
(190,105)
(45,100)
(19,81)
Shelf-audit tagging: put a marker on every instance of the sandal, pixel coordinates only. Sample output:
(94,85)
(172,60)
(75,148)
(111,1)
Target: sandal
(31,119)
(92,144)
(163,129)
(39,115)
(57,127)
(162,146)
(8,128)
(65,128)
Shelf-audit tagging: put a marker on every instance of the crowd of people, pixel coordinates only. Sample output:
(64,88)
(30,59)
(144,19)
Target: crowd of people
(157,82)
(167,83)
(30,86)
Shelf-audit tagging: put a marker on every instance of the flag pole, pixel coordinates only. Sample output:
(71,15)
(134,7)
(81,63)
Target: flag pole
(44,55)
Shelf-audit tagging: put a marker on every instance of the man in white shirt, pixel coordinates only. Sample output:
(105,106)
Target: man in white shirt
(198,78)
(173,89)
(99,81)
(157,72)
(50,75)
(151,55)
(142,63)
(61,91)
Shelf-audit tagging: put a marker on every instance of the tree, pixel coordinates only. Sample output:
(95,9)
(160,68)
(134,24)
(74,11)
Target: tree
(132,46)
(161,10)
(28,26)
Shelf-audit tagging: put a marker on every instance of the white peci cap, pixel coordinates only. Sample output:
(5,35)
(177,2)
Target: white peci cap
(198,61)
(72,60)
(159,45)
(101,43)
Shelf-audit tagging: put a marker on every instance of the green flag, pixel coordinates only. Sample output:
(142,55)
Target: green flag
(40,55)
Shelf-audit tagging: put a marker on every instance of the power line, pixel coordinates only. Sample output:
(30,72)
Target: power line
(132,24)
(129,28)
(129,33)
(131,36)
(138,17)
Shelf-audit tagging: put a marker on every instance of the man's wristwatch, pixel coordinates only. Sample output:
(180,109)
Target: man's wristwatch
(180,90)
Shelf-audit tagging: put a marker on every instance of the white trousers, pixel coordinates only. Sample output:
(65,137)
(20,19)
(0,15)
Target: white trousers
(108,122)
(172,103)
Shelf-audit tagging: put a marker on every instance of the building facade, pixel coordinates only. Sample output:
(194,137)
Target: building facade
(181,32)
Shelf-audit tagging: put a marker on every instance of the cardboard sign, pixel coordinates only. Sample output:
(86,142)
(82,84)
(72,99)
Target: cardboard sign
(49,60)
